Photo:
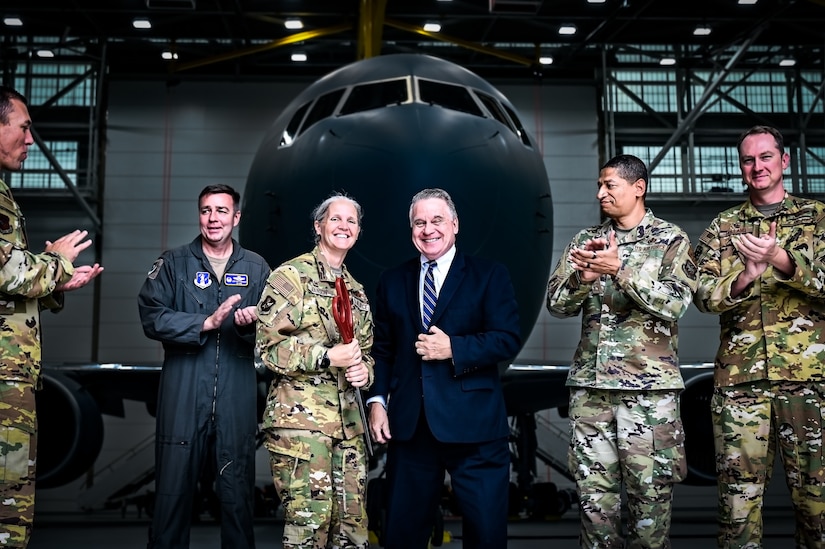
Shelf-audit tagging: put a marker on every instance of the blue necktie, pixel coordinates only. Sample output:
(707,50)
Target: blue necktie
(428,306)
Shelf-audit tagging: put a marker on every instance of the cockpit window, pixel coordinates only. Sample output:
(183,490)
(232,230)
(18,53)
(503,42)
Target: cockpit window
(495,109)
(522,133)
(323,107)
(448,96)
(292,127)
(376,95)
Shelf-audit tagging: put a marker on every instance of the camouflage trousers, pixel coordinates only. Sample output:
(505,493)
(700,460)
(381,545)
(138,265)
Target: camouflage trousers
(18,449)
(631,436)
(322,484)
(748,421)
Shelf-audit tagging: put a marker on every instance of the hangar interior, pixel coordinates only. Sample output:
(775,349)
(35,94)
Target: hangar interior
(139,103)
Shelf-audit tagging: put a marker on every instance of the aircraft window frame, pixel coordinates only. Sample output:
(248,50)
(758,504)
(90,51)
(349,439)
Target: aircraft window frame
(327,112)
(520,131)
(498,111)
(363,85)
(479,111)
(296,121)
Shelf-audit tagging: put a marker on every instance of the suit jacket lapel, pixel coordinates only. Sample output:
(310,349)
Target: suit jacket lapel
(412,275)
(451,283)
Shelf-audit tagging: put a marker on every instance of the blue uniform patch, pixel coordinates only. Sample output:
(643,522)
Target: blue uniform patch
(234,279)
(203,279)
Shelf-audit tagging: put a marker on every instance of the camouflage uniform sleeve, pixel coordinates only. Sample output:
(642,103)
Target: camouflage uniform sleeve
(280,340)
(32,276)
(666,293)
(364,334)
(808,256)
(713,292)
(566,292)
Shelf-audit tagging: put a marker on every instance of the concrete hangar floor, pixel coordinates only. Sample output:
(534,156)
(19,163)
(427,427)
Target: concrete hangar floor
(694,525)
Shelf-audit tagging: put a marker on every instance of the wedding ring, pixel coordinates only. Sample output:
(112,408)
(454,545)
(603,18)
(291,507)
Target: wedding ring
(594,255)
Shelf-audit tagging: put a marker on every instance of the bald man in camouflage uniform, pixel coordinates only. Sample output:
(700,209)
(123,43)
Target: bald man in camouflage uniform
(313,428)
(631,278)
(28,283)
(762,269)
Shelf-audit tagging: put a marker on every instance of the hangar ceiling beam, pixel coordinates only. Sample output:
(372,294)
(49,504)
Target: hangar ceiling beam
(370,26)
(698,108)
(66,180)
(519,59)
(292,39)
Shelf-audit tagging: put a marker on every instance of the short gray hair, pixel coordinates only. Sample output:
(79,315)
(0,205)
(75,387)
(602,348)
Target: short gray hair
(433,193)
(320,211)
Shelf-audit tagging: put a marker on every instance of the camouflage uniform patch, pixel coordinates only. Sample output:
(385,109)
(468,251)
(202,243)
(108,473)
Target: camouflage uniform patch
(770,368)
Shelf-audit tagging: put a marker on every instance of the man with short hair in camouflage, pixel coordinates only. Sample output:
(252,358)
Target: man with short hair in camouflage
(28,283)
(631,278)
(762,269)
(312,423)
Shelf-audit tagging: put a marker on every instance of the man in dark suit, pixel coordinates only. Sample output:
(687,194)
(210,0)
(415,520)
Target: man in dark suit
(437,397)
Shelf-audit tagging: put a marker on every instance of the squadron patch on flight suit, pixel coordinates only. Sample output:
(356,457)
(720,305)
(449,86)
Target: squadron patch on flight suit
(234,279)
(202,280)
(153,272)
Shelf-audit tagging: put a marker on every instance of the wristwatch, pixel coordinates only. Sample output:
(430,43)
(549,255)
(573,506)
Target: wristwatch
(324,362)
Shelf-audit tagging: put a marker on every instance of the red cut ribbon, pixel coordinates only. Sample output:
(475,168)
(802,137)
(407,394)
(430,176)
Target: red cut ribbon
(342,310)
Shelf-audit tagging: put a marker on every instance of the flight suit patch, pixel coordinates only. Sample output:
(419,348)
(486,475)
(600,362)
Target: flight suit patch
(202,280)
(153,272)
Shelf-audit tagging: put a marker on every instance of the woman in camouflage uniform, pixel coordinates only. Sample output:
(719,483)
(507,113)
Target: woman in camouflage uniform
(314,433)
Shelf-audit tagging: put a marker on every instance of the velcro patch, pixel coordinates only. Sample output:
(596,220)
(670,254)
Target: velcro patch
(153,272)
(234,279)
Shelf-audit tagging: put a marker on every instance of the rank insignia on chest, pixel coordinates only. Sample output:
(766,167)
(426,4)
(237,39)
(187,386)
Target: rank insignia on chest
(203,279)
(234,279)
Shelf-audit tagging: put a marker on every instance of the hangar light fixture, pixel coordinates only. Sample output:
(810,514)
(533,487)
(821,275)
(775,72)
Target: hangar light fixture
(667,61)
(293,23)
(142,23)
(432,27)
(702,30)
(596,1)
(747,2)
(298,57)
(169,55)
(567,30)
(546,60)
(45,53)
(788,62)
(12,21)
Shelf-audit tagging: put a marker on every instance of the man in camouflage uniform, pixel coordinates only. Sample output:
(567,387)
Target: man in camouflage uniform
(631,278)
(28,282)
(314,432)
(762,269)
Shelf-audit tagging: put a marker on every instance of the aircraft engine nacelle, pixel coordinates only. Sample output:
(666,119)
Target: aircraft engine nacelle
(695,411)
(70,430)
